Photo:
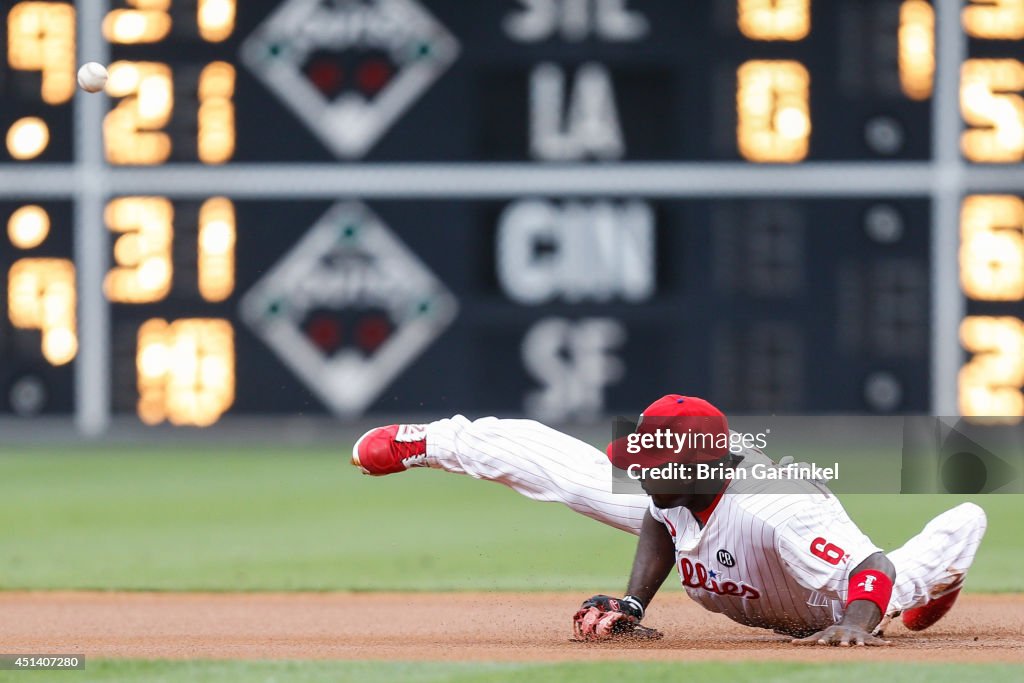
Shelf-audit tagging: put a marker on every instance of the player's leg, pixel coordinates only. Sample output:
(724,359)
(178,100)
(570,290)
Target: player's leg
(931,566)
(527,456)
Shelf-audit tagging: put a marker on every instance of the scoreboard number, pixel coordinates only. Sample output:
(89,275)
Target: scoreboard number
(41,37)
(133,130)
(992,248)
(216,259)
(773,105)
(143,251)
(216,138)
(186,371)
(917,49)
(991,383)
(990,97)
(41,296)
(775,19)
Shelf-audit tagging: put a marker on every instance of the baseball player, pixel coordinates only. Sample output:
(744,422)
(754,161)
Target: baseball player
(792,562)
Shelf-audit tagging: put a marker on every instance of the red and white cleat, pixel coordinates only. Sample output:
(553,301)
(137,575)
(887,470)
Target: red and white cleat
(395,448)
(920,618)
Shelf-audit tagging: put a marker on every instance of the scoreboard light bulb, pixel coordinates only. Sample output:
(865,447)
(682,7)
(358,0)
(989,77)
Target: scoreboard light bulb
(994,19)
(27,138)
(28,227)
(153,273)
(975,96)
(124,78)
(216,19)
(1009,132)
(213,370)
(128,249)
(152,360)
(155,100)
(218,237)
(788,20)
(792,123)
(60,346)
(130,27)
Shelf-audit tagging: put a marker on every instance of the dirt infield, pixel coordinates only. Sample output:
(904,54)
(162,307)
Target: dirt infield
(461,626)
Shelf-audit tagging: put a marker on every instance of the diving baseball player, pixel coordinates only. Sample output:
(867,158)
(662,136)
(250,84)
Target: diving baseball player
(792,562)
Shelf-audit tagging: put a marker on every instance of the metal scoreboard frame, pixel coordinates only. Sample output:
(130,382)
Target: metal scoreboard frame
(945,179)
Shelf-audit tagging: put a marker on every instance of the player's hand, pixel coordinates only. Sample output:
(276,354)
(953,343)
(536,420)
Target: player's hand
(843,636)
(606,603)
(602,617)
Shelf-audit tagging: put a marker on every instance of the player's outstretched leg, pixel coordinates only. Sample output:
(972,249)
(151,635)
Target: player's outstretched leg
(931,567)
(527,456)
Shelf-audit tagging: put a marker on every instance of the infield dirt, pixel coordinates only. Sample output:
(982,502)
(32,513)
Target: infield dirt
(448,626)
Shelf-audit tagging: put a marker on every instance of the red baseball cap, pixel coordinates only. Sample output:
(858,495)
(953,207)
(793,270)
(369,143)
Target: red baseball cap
(706,426)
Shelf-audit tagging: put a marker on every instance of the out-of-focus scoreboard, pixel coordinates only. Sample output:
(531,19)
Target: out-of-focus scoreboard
(446,277)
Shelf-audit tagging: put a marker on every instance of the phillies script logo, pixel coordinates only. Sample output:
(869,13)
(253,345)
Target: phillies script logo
(868,584)
(696,575)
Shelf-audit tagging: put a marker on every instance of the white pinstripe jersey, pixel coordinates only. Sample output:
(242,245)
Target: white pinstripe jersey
(778,561)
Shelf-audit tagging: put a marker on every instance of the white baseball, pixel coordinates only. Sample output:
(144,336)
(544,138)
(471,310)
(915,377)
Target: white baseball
(92,77)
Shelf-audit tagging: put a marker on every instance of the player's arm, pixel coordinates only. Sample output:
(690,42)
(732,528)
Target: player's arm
(655,557)
(869,589)
(603,616)
(865,609)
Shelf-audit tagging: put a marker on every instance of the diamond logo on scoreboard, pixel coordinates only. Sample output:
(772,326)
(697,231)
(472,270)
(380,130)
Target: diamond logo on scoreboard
(350,68)
(348,308)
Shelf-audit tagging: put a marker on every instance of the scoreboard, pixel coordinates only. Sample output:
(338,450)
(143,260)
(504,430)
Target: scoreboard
(550,207)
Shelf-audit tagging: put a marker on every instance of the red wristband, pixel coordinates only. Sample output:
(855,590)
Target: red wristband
(873,586)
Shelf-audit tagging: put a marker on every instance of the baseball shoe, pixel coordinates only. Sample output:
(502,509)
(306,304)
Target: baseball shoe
(395,448)
(920,618)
